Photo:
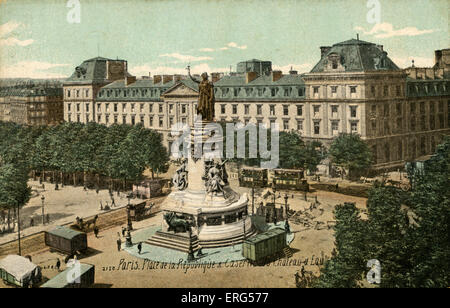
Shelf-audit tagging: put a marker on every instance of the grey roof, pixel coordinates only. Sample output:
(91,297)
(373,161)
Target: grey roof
(60,280)
(426,88)
(33,91)
(94,71)
(65,232)
(264,80)
(357,56)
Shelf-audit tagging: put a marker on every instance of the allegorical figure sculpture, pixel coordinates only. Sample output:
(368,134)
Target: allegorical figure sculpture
(206,99)
(215,182)
(179,179)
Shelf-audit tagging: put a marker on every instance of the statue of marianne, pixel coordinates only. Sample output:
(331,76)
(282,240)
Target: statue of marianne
(206,99)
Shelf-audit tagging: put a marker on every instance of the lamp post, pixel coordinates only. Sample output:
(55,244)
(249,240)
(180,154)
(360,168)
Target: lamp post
(18,226)
(286,197)
(43,199)
(130,225)
(253,198)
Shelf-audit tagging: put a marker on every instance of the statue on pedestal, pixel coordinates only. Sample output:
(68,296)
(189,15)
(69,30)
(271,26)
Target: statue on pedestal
(215,183)
(206,99)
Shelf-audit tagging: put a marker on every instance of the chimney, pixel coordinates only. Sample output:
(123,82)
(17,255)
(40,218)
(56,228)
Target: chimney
(292,72)
(130,80)
(250,76)
(276,75)
(438,58)
(156,79)
(324,50)
(167,78)
(216,76)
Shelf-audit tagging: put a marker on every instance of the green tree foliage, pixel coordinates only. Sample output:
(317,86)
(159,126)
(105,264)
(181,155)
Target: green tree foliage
(14,190)
(408,232)
(350,152)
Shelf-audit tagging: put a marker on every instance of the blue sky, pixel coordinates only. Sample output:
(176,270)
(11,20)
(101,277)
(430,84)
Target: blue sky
(36,39)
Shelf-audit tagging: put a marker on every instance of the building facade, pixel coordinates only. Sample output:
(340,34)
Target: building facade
(354,88)
(32,105)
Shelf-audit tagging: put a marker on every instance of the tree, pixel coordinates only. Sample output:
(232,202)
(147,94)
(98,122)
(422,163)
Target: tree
(408,232)
(350,152)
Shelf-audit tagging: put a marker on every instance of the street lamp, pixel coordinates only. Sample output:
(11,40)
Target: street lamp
(18,226)
(130,225)
(42,199)
(286,197)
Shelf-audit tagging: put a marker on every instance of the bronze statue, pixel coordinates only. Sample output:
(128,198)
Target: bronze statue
(206,99)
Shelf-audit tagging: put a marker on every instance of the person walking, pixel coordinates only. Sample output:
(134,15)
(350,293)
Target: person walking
(123,231)
(119,244)
(96,231)
(31,222)
(139,247)
(58,264)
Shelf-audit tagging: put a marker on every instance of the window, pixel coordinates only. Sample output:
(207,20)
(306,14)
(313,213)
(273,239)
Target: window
(300,125)
(399,108)
(441,106)
(234,109)
(87,107)
(222,109)
(150,121)
(183,120)
(352,89)
(272,110)
(413,124)
(78,118)
(87,118)
(353,111)
(68,93)
(354,127)
(374,125)
(183,109)
(107,107)
(99,118)
(385,91)
(316,128)
(150,108)
(246,109)
(124,107)
(107,119)
(334,111)
(170,108)
(78,93)
(170,121)
(141,108)
(124,119)
(273,91)
(68,107)
(87,93)
(299,110)
(259,109)
(422,123)
(372,90)
(316,110)
(133,120)
(160,122)
(285,110)
(422,107)
(398,90)
(142,119)
(432,122)
(115,108)
(132,108)
(316,90)
(286,124)
(160,110)
(287,91)
(399,124)
(386,110)
(115,119)
(334,89)
(334,127)
(78,107)
(412,108)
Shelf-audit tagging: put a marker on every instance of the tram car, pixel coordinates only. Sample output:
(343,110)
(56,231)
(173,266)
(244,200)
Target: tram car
(278,178)
(287,179)
(66,240)
(19,271)
(82,277)
(264,247)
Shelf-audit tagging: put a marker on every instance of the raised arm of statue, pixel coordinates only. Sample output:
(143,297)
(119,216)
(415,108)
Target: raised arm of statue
(189,74)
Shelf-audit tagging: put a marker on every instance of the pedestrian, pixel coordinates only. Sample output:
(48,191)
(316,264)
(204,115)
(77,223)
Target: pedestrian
(123,231)
(48,218)
(96,231)
(113,204)
(97,190)
(58,264)
(31,222)
(337,186)
(119,244)
(200,252)
(139,247)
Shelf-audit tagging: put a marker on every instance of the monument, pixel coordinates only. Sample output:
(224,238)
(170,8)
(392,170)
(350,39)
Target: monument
(203,211)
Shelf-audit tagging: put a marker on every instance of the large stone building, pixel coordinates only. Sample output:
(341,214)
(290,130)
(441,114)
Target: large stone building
(81,89)
(354,88)
(36,105)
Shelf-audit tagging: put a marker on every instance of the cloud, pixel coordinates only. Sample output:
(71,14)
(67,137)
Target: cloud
(144,70)
(12,41)
(206,49)
(31,69)
(185,58)
(228,46)
(8,39)
(386,30)
(404,62)
(300,68)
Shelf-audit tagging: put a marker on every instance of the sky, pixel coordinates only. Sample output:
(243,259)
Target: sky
(42,38)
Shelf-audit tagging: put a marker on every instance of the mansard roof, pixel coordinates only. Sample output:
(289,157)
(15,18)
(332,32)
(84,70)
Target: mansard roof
(357,56)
